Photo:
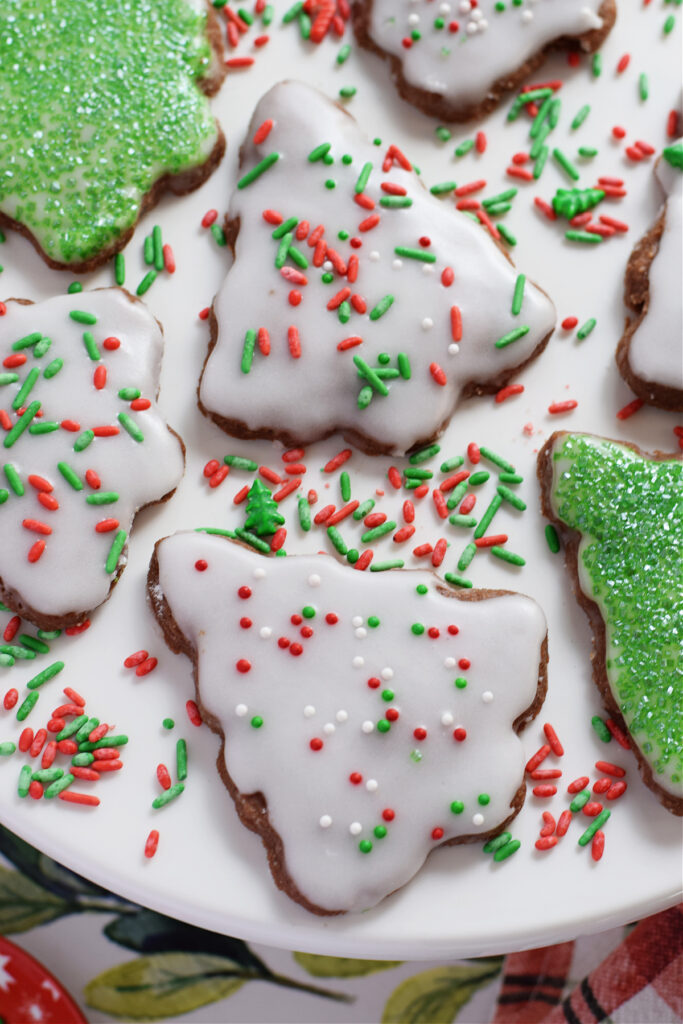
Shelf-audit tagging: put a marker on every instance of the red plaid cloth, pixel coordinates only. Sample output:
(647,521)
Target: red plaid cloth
(641,981)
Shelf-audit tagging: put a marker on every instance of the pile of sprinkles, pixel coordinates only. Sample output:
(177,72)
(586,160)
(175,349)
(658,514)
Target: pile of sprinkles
(453,499)
(72,745)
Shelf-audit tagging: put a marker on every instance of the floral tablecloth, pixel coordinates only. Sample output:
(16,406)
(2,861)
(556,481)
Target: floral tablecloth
(121,961)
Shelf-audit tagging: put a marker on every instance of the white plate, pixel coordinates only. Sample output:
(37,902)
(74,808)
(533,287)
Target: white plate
(208,869)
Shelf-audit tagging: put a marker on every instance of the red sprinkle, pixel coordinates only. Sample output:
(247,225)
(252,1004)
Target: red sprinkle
(563,822)
(578,784)
(193,712)
(151,843)
(135,659)
(672,124)
(546,773)
(25,739)
(35,790)
(146,667)
(610,769)
(602,785)
(544,790)
(38,741)
(537,758)
(209,218)
(169,259)
(338,460)
(11,629)
(468,504)
(480,142)
(438,374)
(74,696)
(629,410)
(548,824)
(422,549)
(470,187)
(404,534)
(616,790)
(553,740)
(508,392)
(623,63)
(78,798)
(598,845)
(546,843)
(619,736)
(163,776)
(440,503)
(559,407)
(437,833)
(592,809)
(262,132)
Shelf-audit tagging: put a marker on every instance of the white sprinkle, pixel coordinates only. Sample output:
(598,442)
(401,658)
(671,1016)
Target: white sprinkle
(527,17)
(413,20)
(374,256)
(260,573)
(478,819)
(328,729)
(355,828)
(358,661)
(265,632)
(447,718)
(241,710)
(368,727)
(325,821)
(361,633)
(453,349)
(397,264)
(309,711)
(372,785)
(328,266)
(314,580)
(487,696)
(387,673)
(464,6)
(427,323)
(342,716)
(427,268)
(449,663)
(471,28)
(357,620)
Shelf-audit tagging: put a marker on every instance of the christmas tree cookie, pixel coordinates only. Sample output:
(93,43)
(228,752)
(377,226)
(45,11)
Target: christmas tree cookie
(357,301)
(103,109)
(621,512)
(84,447)
(650,353)
(456,60)
(364,719)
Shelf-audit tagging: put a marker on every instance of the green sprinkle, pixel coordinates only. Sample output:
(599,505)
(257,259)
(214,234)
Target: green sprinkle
(565,164)
(587,152)
(343,53)
(253,540)
(337,539)
(479,478)
(451,464)
(9,378)
(396,202)
(115,551)
(379,831)
(58,786)
(258,170)
(580,800)
(365,846)
(304,514)
(218,235)
(248,351)
(108,741)
(502,197)
(168,795)
(147,282)
(168,723)
(239,462)
(82,760)
(518,295)
(24,780)
(119,268)
(586,329)
(513,499)
(21,424)
(597,65)
(443,188)
(497,842)
(457,807)
(130,426)
(424,453)
(485,521)
(383,725)
(601,729)
(540,162)
(148,250)
(74,288)
(418,629)
(33,643)
(497,460)
(583,236)
(390,563)
(554,113)
(370,376)
(27,341)
(293,12)
(506,851)
(49,634)
(467,556)
(464,147)
(26,388)
(6,660)
(381,307)
(414,254)
(71,727)
(28,705)
(378,531)
(669,24)
(643,86)
(352,556)
(181,759)
(507,556)
(457,581)
(513,335)
(268,14)
(158,247)
(363,177)
(42,347)
(13,479)
(414,473)
(47,774)
(596,823)
(7,748)
(83,440)
(53,368)
(363,509)
(403,365)
(43,677)
(457,494)
(4,495)
(552,539)
(91,345)
(289,225)
(581,116)
(442,133)
(42,427)
(509,238)
(83,318)
(465,521)
(347,92)
(460,683)
(345,485)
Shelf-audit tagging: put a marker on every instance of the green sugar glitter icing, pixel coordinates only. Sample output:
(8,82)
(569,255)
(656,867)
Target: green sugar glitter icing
(629,511)
(98,101)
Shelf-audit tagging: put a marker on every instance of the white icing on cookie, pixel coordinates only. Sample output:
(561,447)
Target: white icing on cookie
(656,350)
(461,63)
(444,743)
(70,575)
(307,397)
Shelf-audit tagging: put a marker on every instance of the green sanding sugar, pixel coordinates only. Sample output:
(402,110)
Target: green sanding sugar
(629,511)
(117,109)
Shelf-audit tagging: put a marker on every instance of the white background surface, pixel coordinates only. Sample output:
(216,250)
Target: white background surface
(208,869)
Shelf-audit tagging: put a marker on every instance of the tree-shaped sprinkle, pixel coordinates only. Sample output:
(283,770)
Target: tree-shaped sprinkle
(263,516)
